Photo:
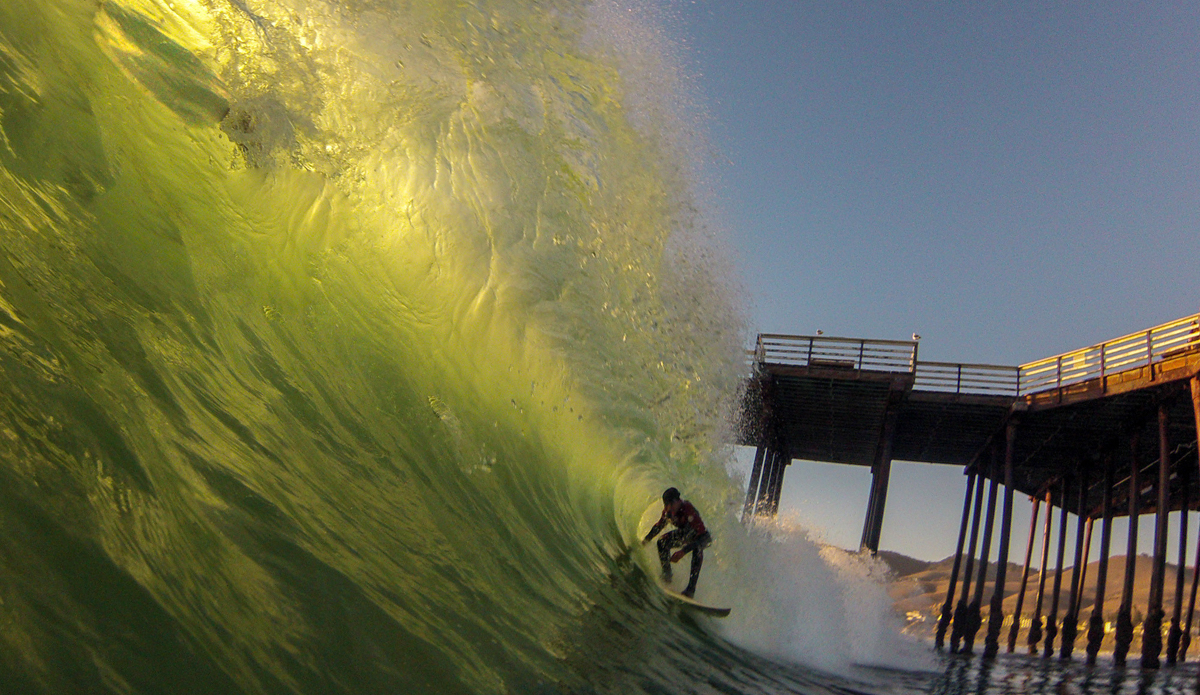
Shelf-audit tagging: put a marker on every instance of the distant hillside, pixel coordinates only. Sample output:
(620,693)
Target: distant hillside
(918,595)
(903,565)
(933,579)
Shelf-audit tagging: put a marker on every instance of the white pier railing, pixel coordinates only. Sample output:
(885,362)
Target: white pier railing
(1144,348)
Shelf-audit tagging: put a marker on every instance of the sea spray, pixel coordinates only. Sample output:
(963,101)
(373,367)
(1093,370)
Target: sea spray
(873,628)
(811,603)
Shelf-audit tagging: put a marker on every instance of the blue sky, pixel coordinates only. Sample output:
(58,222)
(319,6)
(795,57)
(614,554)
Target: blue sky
(1009,180)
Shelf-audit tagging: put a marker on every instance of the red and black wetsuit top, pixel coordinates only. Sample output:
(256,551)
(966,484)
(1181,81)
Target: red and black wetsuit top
(686,517)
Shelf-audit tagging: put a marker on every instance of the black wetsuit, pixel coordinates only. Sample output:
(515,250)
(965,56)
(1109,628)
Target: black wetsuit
(690,533)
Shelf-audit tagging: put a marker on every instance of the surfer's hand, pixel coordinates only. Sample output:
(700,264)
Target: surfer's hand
(678,555)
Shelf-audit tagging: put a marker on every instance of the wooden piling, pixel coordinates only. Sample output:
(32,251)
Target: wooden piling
(996,610)
(1152,627)
(777,484)
(1016,625)
(944,620)
(1096,623)
(1087,556)
(1070,621)
(1035,627)
(777,491)
(961,617)
(1186,638)
(763,495)
(1052,617)
(772,485)
(881,472)
(752,489)
(975,615)
(1175,635)
(872,499)
(1124,637)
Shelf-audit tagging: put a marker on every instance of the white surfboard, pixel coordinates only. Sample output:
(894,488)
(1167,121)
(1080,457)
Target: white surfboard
(696,605)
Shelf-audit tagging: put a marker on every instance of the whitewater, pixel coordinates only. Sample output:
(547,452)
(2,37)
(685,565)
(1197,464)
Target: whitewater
(346,347)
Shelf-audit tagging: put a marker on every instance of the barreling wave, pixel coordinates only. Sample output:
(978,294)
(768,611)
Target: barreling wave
(343,345)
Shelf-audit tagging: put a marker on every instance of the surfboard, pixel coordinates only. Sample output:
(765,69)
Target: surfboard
(693,604)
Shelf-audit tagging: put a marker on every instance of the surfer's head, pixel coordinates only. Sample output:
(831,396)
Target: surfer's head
(670,496)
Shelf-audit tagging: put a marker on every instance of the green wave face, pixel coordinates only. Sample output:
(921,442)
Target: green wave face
(342,346)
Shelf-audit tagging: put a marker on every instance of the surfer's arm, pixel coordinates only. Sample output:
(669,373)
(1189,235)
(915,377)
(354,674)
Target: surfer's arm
(655,530)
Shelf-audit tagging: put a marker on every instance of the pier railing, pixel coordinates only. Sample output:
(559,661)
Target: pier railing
(1144,348)
(885,356)
(984,379)
(846,353)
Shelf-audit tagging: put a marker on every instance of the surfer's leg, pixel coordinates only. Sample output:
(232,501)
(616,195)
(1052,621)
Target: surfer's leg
(665,543)
(697,547)
(697,563)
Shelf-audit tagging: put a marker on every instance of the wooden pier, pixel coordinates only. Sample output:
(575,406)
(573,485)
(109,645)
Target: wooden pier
(1106,431)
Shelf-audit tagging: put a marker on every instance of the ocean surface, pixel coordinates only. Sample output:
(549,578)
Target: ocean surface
(346,347)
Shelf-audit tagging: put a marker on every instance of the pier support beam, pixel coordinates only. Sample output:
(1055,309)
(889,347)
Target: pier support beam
(1087,558)
(1186,638)
(763,495)
(1096,623)
(1175,635)
(766,500)
(1035,627)
(947,607)
(763,506)
(766,481)
(1124,636)
(757,492)
(975,615)
(1070,621)
(1016,625)
(880,472)
(782,461)
(1083,569)
(1152,627)
(961,612)
(996,612)
(755,477)
(1052,618)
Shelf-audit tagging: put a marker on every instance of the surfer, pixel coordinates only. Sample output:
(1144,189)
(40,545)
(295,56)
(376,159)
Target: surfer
(689,532)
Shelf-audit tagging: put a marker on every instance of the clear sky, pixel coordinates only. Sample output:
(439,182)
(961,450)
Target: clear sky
(1009,180)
